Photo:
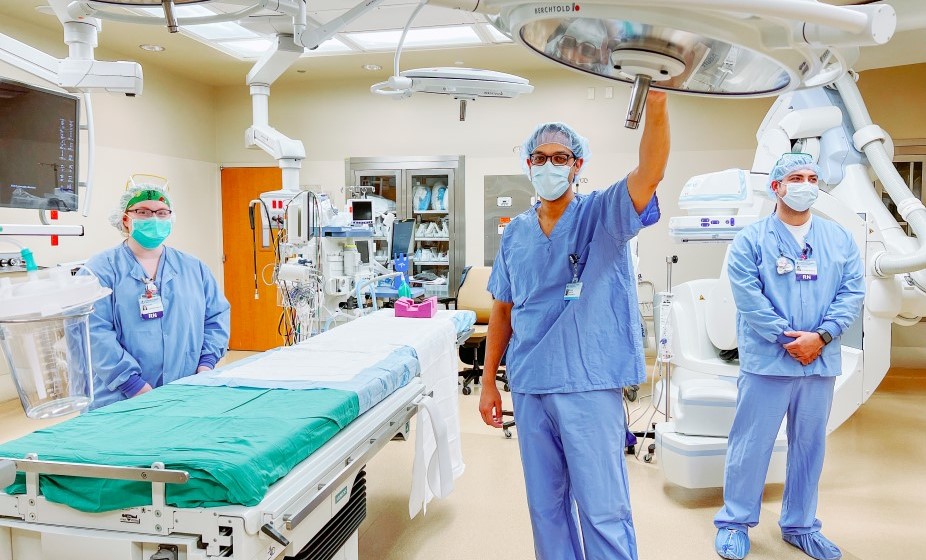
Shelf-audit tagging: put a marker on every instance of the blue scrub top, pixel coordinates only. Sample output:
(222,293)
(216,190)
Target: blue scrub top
(128,351)
(591,343)
(769,303)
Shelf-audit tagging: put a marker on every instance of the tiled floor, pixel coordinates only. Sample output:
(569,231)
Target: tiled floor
(872,499)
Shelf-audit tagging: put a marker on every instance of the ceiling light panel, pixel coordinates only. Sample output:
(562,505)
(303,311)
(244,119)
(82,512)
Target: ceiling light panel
(220,31)
(431,37)
(251,48)
(209,31)
(396,17)
(331,46)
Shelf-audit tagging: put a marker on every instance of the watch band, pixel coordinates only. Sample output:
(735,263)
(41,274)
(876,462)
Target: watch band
(825,335)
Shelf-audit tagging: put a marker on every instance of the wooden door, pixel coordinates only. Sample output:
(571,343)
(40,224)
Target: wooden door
(253,321)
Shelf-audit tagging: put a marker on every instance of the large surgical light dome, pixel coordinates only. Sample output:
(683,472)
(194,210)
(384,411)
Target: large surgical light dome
(677,60)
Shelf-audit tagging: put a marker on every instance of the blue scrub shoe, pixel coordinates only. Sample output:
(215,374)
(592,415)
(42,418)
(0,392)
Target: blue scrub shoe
(732,544)
(814,545)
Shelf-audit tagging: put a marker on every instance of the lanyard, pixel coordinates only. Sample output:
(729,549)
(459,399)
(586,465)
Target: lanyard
(574,261)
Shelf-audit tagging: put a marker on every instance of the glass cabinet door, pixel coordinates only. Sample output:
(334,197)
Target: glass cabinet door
(429,200)
(385,187)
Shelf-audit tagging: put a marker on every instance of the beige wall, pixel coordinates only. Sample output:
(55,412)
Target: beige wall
(339,120)
(168,130)
(896,99)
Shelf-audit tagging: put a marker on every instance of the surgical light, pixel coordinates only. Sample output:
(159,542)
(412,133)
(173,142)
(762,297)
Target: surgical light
(716,48)
(464,84)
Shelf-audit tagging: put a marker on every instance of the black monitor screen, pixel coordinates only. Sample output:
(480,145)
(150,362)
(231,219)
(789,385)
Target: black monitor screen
(402,237)
(362,210)
(38,147)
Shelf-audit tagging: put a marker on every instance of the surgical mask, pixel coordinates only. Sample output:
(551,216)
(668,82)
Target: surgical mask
(151,232)
(550,181)
(801,196)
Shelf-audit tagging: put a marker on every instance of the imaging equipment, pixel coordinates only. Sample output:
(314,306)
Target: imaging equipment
(38,139)
(834,126)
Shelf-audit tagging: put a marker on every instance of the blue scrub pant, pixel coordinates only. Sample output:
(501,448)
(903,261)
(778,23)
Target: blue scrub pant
(762,402)
(572,452)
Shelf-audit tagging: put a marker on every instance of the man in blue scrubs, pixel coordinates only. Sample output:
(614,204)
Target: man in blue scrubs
(566,309)
(798,284)
(166,317)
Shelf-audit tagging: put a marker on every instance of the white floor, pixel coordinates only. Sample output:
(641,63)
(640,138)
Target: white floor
(872,499)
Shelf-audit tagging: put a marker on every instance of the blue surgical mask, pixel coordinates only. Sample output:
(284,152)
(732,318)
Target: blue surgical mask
(800,196)
(550,181)
(151,232)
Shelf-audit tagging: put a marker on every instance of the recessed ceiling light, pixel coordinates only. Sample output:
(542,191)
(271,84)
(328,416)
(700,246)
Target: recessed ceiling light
(458,62)
(372,67)
(151,48)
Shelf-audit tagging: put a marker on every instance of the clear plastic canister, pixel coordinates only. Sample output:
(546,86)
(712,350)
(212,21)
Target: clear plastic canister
(49,358)
(45,336)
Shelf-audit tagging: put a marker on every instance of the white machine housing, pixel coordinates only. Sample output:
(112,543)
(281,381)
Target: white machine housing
(718,204)
(691,449)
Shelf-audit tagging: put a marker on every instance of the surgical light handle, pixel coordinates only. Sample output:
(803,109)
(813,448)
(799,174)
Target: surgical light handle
(637,100)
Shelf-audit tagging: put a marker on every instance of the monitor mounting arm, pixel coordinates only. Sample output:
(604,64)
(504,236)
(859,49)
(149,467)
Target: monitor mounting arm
(289,153)
(79,72)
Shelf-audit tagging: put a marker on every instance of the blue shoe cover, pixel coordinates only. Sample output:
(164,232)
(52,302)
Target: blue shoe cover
(814,545)
(732,544)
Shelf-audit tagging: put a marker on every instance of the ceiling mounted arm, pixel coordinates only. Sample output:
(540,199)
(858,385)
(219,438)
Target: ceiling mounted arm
(289,153)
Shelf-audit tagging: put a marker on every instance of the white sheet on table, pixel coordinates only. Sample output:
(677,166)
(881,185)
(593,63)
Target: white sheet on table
(314,362)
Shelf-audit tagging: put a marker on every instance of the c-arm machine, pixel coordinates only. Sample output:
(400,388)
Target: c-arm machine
(833,125)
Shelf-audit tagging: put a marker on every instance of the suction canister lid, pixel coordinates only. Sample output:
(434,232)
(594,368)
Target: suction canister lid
(48,293)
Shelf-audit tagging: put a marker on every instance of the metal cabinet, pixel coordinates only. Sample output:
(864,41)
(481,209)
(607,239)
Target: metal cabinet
(506,196)
(430,191)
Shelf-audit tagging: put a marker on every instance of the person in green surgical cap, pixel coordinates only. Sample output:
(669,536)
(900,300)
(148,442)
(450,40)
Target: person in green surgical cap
(166,317)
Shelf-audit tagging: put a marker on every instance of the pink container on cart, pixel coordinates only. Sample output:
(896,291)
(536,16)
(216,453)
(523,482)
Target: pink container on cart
(405,307)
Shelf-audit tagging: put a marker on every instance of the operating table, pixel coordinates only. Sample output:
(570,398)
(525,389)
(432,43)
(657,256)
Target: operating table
(313,512)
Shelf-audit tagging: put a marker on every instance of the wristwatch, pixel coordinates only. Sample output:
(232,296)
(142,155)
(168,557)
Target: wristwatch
(825,335)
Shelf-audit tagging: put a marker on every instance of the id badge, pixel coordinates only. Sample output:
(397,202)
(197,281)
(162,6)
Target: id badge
(573,291)
(805,270)
(151,308)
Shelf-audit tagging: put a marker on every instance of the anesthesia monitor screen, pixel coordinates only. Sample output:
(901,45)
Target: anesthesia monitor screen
(38,148)
(362,211)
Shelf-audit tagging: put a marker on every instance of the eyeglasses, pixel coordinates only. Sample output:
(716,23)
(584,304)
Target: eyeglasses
(584,49)
(145,213)
(557,159)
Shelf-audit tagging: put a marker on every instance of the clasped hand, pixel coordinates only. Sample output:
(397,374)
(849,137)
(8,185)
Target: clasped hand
(806,346)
